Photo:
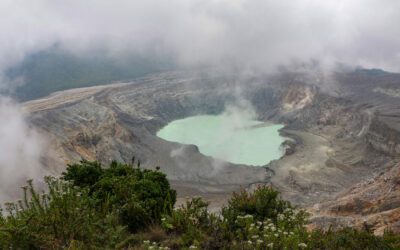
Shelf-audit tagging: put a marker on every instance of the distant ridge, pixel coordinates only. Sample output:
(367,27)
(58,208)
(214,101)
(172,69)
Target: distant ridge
(51,70)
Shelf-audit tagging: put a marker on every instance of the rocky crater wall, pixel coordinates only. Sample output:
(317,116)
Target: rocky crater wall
(336,142)
(383,138)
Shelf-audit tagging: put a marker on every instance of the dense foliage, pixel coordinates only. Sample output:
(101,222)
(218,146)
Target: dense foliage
(90,205)
(124,206)
(139,196)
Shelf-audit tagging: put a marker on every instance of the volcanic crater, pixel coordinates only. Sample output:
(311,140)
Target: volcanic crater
(343,136)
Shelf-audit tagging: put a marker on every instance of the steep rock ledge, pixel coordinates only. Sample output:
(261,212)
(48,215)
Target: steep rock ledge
(374,203)
(383,138)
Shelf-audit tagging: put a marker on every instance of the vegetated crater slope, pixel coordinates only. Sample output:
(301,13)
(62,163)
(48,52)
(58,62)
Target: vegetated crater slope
(343,135)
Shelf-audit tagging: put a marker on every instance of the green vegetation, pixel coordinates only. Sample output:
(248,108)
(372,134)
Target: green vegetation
(126,207)
(53,70)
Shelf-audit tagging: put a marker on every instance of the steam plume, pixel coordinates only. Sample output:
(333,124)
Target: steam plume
(20,150)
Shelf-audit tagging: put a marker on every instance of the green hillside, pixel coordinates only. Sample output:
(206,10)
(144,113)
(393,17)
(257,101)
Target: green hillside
(53,70)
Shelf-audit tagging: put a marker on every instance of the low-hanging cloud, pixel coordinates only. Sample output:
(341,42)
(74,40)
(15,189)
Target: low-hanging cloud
(252,34)
(20,150)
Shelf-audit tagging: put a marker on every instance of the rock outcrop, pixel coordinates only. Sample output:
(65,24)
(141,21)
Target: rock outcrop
(383,138)
(373,203)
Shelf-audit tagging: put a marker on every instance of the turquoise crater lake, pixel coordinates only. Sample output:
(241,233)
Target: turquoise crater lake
(229,138)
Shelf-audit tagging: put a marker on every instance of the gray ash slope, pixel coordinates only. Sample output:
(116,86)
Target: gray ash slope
(339,138)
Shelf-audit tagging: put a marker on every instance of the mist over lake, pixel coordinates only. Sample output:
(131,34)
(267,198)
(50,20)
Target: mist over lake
(225,137)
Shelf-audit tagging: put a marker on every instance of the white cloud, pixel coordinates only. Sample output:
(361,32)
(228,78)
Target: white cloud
(257,33)
(20,150)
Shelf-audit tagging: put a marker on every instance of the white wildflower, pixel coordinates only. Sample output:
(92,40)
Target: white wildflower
(302,245)
(254,236)
(271,245)
(285,233)
(276,235)
(260,241)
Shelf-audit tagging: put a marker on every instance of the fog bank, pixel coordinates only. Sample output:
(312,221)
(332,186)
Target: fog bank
(258,34)
(20,151)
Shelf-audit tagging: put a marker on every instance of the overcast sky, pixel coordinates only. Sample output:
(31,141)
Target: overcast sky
(253,33)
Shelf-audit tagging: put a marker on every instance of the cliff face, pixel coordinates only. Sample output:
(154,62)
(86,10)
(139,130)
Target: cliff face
(373,203)
(297,97)
(374,200)
(383,138)
(340,140)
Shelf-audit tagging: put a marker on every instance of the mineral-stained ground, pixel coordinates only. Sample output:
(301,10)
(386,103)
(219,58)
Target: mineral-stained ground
(342,150)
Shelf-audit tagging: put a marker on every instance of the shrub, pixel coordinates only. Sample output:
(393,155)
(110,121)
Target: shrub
(90,206)
(189,221)
(84,174)
(60,218)
(263,203)
(127,207)
(349,238)
(260,220)
(139,195)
